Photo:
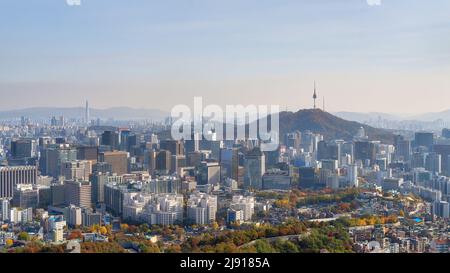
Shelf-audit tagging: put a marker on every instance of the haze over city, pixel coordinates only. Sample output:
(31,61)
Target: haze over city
(152,54)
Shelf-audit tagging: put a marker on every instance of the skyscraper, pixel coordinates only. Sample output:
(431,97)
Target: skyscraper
(255,167)
(86,113)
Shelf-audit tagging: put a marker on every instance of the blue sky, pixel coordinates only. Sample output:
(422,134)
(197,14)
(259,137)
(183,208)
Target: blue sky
(142,53)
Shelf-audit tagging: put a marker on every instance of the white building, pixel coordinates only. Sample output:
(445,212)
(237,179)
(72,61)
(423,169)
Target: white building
(202,208)
(245,204)
(75,218)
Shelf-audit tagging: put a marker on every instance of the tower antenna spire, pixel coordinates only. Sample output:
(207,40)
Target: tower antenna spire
(315,95)
(323,108)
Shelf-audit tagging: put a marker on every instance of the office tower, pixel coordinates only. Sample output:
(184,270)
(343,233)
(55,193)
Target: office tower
(114,196)
(175,147)
(365,151)
(177,162)
(307,177)
(102,167)
(194,159)
(293,140)
(118,161)
(444,151)
(212,145)
(87,117)
(404,150)
(229,162)
(208,173)
(328,150)
(124,138)
(424,139)
(53,156)
(4,209)
(352,176)
(45,196)
(418,160)
(78,193)
(191,146)
(255,167)
(25,196)
(433,163)
(12,176)
(272,157)
(87,153)
(23,148)
(202,208)
(441,209)
(99,181)
(58,194)
(75,217)
(76,170)
(111,139)
(163,160)
(330,165)
(276,179)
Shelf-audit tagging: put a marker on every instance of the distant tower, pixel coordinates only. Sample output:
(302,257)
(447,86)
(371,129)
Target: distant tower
(323,108)
(315,95)
(86,114)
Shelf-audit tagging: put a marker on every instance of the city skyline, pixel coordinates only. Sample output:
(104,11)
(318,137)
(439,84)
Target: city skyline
(157,55)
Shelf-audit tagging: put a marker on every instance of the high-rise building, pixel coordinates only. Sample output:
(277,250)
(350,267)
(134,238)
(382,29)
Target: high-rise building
(307,177)
(163,160)
(4,209)
(444,151)
(54,156)
(87,117)
(25,196)
(118,161)
(78,193)
(424,139)
(433,163)
(208,173)
(87,153)
(175,147)
(202,208)
(365,151)
(10,177)
(293,140)
(23,148)
(76,170)
(229,162)
(255,167)
(75,217)
(111,139)
(352,176)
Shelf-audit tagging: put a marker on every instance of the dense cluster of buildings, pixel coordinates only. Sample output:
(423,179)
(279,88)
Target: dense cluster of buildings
(84,174)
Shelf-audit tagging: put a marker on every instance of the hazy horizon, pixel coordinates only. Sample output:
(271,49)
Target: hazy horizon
(391,58)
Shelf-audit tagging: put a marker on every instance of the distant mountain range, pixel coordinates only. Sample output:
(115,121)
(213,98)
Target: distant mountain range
(330,126)
(117,113)
(318,121)
(425,117)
